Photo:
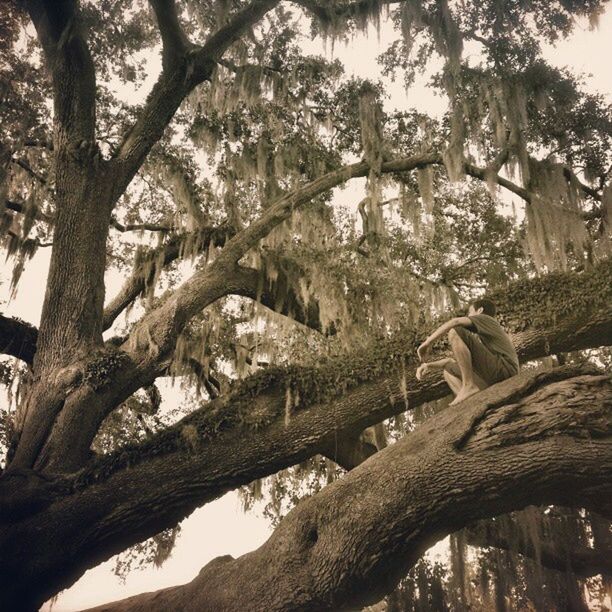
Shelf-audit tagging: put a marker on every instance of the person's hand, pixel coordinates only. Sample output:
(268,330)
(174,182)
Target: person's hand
(423,350)
(422,370)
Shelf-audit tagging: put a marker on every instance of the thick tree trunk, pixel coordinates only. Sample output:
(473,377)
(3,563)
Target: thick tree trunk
(526,440)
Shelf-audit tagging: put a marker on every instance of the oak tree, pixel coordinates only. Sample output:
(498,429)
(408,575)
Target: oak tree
(292,328)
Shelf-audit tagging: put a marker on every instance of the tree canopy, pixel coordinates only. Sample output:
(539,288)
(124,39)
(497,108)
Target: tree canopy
(195,150)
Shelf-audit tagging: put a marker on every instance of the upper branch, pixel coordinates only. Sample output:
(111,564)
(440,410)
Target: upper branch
(185,66)
(227,35)
(174,40)
(68,58)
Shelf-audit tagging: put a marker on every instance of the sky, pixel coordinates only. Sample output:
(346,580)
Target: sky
(221,527)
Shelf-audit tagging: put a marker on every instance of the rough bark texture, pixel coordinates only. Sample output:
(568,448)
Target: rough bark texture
(532,439)
(75,511)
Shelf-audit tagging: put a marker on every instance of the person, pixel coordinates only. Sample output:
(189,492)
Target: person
(483,353)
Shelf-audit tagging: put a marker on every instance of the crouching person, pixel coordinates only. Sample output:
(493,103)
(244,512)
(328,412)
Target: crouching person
(483,353)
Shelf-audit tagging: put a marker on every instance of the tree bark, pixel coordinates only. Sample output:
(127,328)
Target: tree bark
(531,439)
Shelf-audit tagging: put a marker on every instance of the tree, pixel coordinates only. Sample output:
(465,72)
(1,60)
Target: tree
(278,129)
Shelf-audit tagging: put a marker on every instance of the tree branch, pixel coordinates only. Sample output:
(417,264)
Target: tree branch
(189,67)
(157,259)
(18,339)
(219,42)
(326,556)
(585,562)
(205,286)
(524,431)
(22,163)
(338,398)
(174,41)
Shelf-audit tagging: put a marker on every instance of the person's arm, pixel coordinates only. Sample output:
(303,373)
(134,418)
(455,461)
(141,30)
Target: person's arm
(441,331)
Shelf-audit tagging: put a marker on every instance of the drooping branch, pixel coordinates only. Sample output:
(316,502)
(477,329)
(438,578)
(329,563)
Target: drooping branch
(515,444)
(18,339)
(584,562)
(277,295)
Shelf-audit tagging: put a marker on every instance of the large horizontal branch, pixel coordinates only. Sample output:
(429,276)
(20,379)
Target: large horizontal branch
(239,438)
(532,439)
(18,339)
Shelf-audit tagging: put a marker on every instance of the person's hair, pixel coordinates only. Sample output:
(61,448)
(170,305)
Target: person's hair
(488,307)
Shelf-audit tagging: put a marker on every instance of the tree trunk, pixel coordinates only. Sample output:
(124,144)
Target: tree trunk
(527,440)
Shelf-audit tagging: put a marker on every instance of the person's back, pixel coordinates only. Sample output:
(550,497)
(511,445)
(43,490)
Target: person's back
(494,337)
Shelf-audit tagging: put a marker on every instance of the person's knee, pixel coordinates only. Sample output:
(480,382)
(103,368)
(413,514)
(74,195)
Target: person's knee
(454,337)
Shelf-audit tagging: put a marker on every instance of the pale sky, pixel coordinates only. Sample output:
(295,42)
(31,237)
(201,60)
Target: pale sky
(221,527)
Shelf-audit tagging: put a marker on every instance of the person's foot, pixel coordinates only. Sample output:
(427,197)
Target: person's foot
(464,393)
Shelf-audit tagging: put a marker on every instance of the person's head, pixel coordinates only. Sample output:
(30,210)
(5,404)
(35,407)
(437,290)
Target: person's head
(482,306)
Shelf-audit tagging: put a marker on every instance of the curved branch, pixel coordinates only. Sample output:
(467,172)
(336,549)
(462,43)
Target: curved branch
(585,562)
(157,259)
(18,339)
(205,286)
(277,295)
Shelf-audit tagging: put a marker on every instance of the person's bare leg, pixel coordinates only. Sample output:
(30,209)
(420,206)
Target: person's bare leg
(454,382)
(463,357)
